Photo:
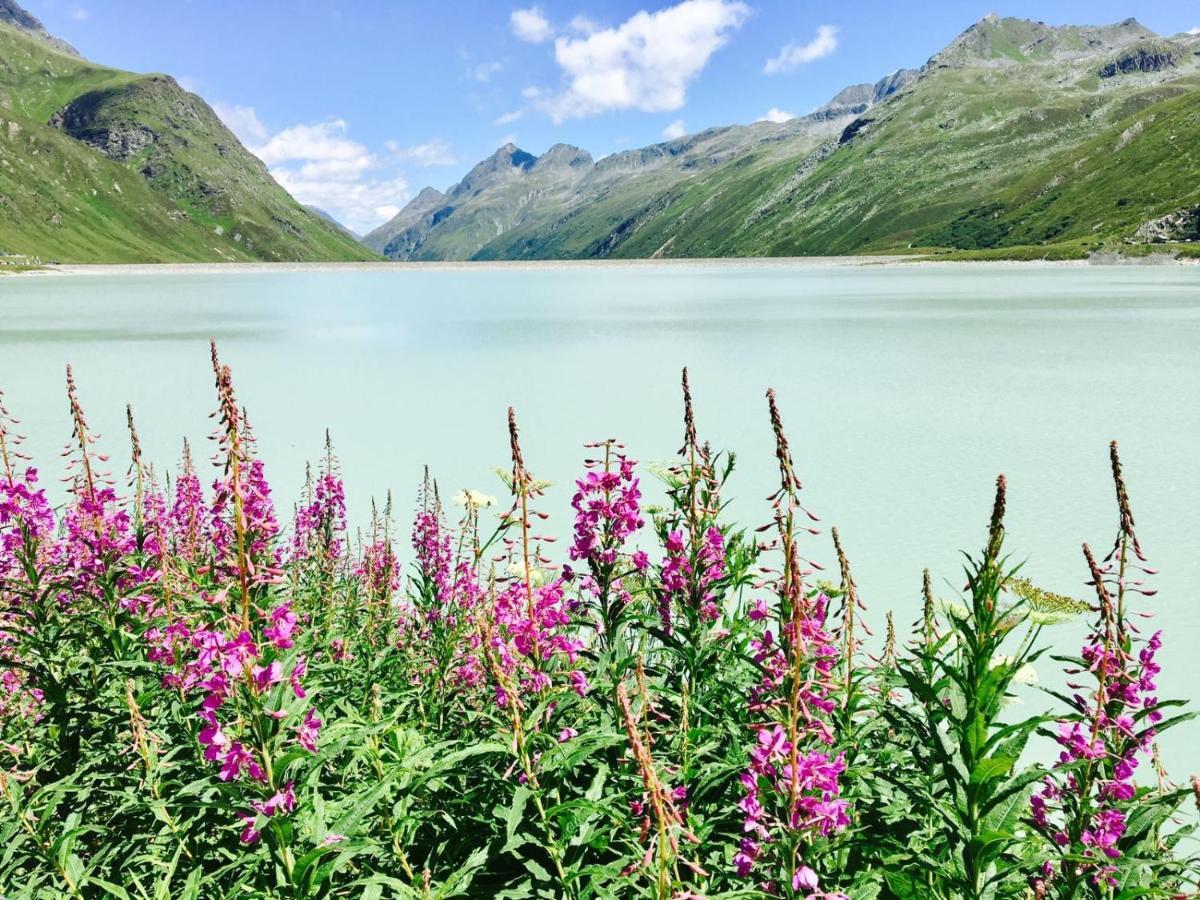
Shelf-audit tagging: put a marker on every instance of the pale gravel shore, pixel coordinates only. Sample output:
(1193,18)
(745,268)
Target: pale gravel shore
(241,268)
(777,262)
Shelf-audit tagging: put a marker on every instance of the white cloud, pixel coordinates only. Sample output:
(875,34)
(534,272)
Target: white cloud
(645,63)
(530,25)
(777,115)
(509,117)
(243,121)
(584,25)
(484,71)
(510,138)
(79,14)
(675,130)
(793,55)
(324,142)
(359,204)
(320,165)
(435,152)
(1195,30)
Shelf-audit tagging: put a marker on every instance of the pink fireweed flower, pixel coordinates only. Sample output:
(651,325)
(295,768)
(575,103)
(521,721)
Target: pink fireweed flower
(607,514)
(185,520)
(1081,805)
(282,627)
(280,801)
(806,878)
(297,674)
(308,731)
(267,676)
(238,759)
(320,526)
(250,834)
(433,547)
(260,525)
(792,784)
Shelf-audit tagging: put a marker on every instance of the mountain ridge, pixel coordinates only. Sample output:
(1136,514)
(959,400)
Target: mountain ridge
(883,166)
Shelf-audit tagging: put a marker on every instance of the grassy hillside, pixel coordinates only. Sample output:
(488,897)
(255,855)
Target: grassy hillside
(103,165)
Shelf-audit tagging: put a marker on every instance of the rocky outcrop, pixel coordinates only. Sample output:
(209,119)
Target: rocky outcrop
(1175,227)
(858,98)
(118,142)
(1143,58)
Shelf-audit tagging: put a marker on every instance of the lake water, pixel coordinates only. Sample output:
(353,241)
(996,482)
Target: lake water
(905,390)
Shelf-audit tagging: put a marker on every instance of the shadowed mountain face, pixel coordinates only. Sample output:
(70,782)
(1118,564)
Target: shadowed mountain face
(104,165)
(1017,135)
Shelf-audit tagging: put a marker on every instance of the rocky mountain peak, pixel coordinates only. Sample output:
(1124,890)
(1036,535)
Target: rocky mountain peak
(998,41)
(427,197)
(858,98)
(508,162)
(564,156)
(11,13)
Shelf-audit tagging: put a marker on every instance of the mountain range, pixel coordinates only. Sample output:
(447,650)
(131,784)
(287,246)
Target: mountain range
(1019,139)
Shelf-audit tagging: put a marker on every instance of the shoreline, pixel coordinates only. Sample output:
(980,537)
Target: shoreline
(774,262)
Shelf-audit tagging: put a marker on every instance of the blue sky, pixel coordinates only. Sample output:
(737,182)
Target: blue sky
(358,104)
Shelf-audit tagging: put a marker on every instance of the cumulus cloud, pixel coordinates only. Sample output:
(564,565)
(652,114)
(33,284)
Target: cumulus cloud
(1195,30)
(320,165)
(359,204)
(530,25)
(792,56)
(243,121)
(509,117)
(776,115)
(584,25)
(435,152)
(80,14)
(325,142)
(645,63)
(675,130)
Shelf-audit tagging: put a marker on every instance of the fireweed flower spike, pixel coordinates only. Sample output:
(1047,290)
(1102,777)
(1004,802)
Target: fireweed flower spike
(244,526)
(669,822)
(607,516)
(792,787)
(1085,806)
(847,617)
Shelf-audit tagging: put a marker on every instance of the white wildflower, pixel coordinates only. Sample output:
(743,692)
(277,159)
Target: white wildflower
(473,499)
(537,577)
(1027,674)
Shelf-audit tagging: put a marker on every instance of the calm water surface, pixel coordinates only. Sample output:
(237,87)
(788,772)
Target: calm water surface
(905,391)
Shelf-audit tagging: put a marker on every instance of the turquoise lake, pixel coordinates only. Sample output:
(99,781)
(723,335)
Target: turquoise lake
(905,390)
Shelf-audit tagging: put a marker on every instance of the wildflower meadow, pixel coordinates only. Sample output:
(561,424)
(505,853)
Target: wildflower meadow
(210,687)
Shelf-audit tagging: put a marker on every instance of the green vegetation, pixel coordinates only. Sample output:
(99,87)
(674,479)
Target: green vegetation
(197,703)
(98,165)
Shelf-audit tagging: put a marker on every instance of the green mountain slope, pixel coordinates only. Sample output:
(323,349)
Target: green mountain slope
(102,165)
(1018,137)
